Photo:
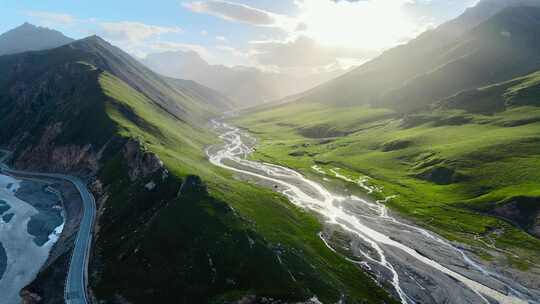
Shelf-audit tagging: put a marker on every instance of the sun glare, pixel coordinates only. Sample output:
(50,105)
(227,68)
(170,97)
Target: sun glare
(357,24)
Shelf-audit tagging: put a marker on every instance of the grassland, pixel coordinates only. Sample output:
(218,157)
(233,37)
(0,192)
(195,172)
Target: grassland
(218,239)
(449,169)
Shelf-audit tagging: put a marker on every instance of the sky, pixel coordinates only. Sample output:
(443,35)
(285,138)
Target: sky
(277,35)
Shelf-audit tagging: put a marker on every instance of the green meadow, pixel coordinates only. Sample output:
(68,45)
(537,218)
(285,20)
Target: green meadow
(449,169)
(200,231)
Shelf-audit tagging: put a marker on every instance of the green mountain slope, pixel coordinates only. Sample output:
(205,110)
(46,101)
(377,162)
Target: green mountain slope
(458,55)
(522,91)
(470,177)
(200,92)
(465,165)
(171,227)
(504,47)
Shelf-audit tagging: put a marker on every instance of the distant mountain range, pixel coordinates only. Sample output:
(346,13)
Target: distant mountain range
(246,86)
(28,37)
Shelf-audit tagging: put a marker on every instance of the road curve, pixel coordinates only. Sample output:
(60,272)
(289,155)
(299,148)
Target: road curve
(75,291)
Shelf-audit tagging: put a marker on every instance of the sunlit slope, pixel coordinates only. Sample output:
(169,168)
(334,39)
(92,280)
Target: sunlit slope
(455,57)
(468,169)
(187,233)
(60,89)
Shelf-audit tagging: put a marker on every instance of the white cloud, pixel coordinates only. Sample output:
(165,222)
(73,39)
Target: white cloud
(237,12)
(232,11)
(166,46)
(324,32)
(304,52)
(232,50)
(367,24)
(204,32)
(133,32)
(136,38)
(50,18)
(221,38)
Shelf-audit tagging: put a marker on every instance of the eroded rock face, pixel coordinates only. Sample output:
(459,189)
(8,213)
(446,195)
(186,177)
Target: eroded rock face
(523,211)
(47,155)
(141,163)
(29,297)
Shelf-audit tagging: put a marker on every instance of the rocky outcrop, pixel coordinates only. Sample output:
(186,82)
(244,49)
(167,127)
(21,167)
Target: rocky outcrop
(29,297)
(47,155)
(141,162)
(522,211)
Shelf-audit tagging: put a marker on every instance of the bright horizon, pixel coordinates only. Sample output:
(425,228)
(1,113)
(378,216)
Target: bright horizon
(285,35)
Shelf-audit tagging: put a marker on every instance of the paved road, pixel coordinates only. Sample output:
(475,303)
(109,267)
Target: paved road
(75,291)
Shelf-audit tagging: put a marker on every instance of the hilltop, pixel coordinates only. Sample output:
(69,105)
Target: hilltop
(28,37)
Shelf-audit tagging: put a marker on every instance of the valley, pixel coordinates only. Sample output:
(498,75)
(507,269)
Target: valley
(451,171)
(370,235)
(169,225)
(404,168)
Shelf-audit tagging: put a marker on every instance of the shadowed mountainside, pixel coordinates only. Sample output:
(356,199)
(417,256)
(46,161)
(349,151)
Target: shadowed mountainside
(473,50)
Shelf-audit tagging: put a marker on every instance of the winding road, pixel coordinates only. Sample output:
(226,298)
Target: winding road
(419,265)
(75,291)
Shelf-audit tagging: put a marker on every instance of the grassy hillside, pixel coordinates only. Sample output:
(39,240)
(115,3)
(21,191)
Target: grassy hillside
(216,239)
(185,232)
(470,176)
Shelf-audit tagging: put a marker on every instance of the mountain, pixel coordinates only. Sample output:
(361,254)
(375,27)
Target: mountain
(28,37)
(460,49)
(445,128)
(499,97)
(504,47)
(200,92)
(41,94)
(244,85)
(171,227)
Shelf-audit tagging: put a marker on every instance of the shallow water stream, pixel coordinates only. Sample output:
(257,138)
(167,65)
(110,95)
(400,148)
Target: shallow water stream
(421,266)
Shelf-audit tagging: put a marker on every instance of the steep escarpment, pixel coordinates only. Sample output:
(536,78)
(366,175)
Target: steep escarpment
(52,114)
